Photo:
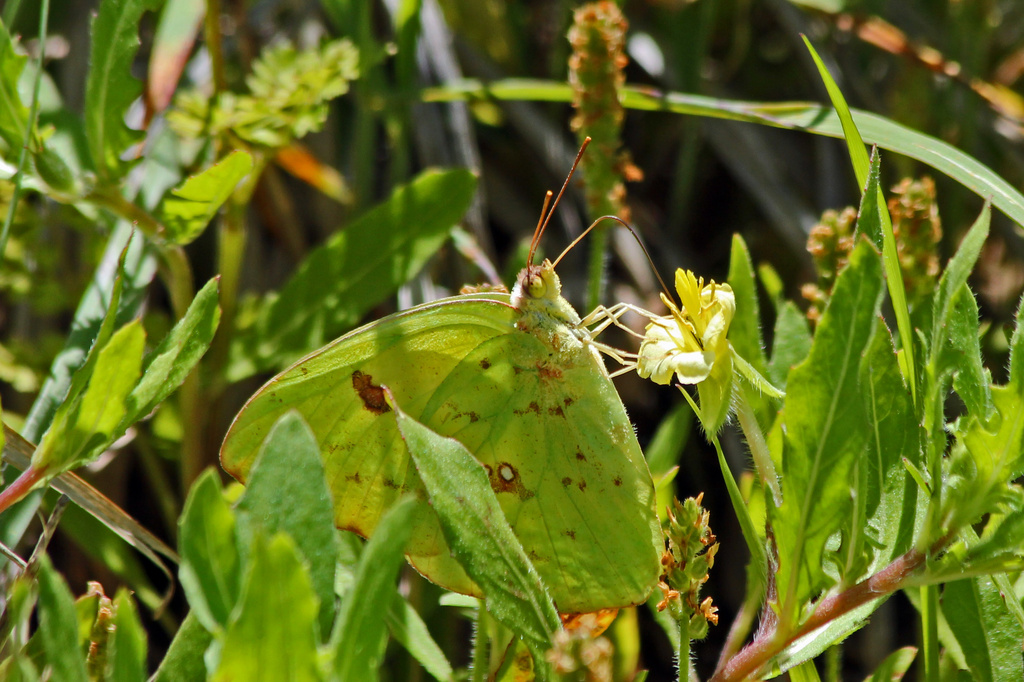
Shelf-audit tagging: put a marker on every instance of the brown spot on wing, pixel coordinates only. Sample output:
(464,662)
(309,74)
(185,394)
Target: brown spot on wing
(580,456)
(571,534)
(371,394)
(617,481)
(582,485)
(505,479)
(548,371)
(354,478)
(566,482)
(485,364)
(556,411)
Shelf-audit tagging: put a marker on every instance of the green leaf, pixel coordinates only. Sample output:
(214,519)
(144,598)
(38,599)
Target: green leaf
(997,448)
(58,626)
(988,635)
(211,568)
(359,634)
(954,347)
(114,296)
(354,271)
(171,362)
(88,423)
(191,207)
(825,432)
(890,254)
(109,87)
(806,117)
(128,641)
(869,222)
(184,659)
(273,631)
(479,535)
(745,330)
(1016,371)
(955,275)
(791,345)
(887,521)
(13,114)
(287,491)
(410,631)
(960,356)
(894,667)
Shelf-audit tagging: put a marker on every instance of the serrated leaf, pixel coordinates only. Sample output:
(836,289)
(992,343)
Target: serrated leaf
(955,275)
(211,568)
(127,642)
(480,536)
(273,632)
(58,627)
(354,271)
(167,366)
(359,633)
(988,635)
(826,431)
(287,491)
(13,113)
(960,356)
(998,447)
(1016,371)
(189,208)
(109,87)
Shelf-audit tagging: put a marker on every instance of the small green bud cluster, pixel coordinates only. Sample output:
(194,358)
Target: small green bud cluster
(690,554)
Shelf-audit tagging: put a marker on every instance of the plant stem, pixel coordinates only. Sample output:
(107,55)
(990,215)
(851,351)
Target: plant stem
(683,651)
(758,448)
(5,233)
(930,631)
(19,488)
(759,652)
(478,673)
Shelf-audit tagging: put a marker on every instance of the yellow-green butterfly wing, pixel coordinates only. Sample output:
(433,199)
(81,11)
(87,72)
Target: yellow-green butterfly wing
(534,405)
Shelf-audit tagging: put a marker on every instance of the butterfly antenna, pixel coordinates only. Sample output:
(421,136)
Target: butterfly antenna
(633,232)
(545,217)
(540,223)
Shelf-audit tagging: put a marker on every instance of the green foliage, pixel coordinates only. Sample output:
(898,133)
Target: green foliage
(891,462)
(288,95)
(110,88)
(355,270)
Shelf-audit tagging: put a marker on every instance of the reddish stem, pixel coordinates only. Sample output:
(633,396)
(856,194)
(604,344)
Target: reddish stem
(883,583)
(21,487)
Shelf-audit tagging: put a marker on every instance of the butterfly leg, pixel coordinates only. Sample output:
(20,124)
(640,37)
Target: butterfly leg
(604,317)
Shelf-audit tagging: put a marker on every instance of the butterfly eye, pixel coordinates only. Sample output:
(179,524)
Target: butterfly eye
(536,286)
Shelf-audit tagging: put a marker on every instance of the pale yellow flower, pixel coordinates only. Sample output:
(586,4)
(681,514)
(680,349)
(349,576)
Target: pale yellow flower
(689,342)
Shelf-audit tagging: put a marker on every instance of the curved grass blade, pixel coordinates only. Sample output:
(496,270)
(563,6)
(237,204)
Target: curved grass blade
(808,117)
(872,189)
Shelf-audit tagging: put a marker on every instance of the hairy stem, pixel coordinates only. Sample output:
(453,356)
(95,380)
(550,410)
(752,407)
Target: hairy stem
(759,652)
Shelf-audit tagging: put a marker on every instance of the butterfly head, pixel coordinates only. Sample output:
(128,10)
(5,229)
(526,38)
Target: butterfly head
(536,283)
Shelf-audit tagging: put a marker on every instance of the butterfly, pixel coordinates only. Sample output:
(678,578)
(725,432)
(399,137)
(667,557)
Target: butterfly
(519,381)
